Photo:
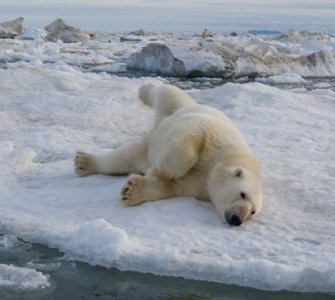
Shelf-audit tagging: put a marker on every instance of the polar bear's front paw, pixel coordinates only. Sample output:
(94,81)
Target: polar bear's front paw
(132,192)
(84,164)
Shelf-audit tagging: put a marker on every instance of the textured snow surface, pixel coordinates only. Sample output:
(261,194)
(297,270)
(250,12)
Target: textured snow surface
(46,113)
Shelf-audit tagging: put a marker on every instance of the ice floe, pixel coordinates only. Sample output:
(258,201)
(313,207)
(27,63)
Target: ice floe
(49,110)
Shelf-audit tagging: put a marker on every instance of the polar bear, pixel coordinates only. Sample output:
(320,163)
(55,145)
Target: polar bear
(193,150)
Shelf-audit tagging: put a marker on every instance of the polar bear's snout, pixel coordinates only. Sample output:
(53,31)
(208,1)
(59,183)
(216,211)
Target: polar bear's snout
(237,213)
(233,219)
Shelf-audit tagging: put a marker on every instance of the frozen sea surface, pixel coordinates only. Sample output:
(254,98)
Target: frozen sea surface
(57,98)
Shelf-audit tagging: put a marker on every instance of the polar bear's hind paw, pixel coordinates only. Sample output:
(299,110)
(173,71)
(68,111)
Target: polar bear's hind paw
(132,191)
(83,164)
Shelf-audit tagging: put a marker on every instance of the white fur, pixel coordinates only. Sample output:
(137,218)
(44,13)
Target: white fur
(193,150)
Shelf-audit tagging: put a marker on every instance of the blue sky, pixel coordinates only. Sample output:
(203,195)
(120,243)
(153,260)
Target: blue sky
(182,15)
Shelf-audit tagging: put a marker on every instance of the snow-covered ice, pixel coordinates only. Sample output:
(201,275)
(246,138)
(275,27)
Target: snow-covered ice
(225,56)
(59,30)
(306,54)
(51,105)
(11,29)
(8,242)
(22,278)
(48,111)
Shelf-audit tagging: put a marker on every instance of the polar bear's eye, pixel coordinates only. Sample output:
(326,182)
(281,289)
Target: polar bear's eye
(253,212)
(243,195)
(239,172)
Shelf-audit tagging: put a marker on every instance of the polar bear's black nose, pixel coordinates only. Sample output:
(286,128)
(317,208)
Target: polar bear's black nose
(234,220)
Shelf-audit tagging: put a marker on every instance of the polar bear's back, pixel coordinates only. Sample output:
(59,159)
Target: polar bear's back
(212,122)
(206,124)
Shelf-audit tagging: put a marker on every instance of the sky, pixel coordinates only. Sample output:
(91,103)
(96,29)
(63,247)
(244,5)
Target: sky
(176,16)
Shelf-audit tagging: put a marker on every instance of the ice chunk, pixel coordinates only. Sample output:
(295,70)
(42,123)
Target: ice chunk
(22,278)
(7,242)
(99,242)
(11,29)
(32,34)
(59,30)
(177,60)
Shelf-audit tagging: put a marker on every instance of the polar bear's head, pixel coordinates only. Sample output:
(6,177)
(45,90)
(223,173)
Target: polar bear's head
(236,194)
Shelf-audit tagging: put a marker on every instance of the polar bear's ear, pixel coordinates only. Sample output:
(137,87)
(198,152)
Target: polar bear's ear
(237,172)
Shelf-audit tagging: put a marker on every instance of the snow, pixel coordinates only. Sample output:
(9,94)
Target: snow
(49,108)
(21,278)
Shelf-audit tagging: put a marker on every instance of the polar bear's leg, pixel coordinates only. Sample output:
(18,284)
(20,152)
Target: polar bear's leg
(177,158)
(139,189)
(128,159)
(164,99)
(178,161)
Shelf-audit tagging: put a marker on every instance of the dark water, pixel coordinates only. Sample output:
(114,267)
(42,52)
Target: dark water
(208,83)
(76,280)
(202,83)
